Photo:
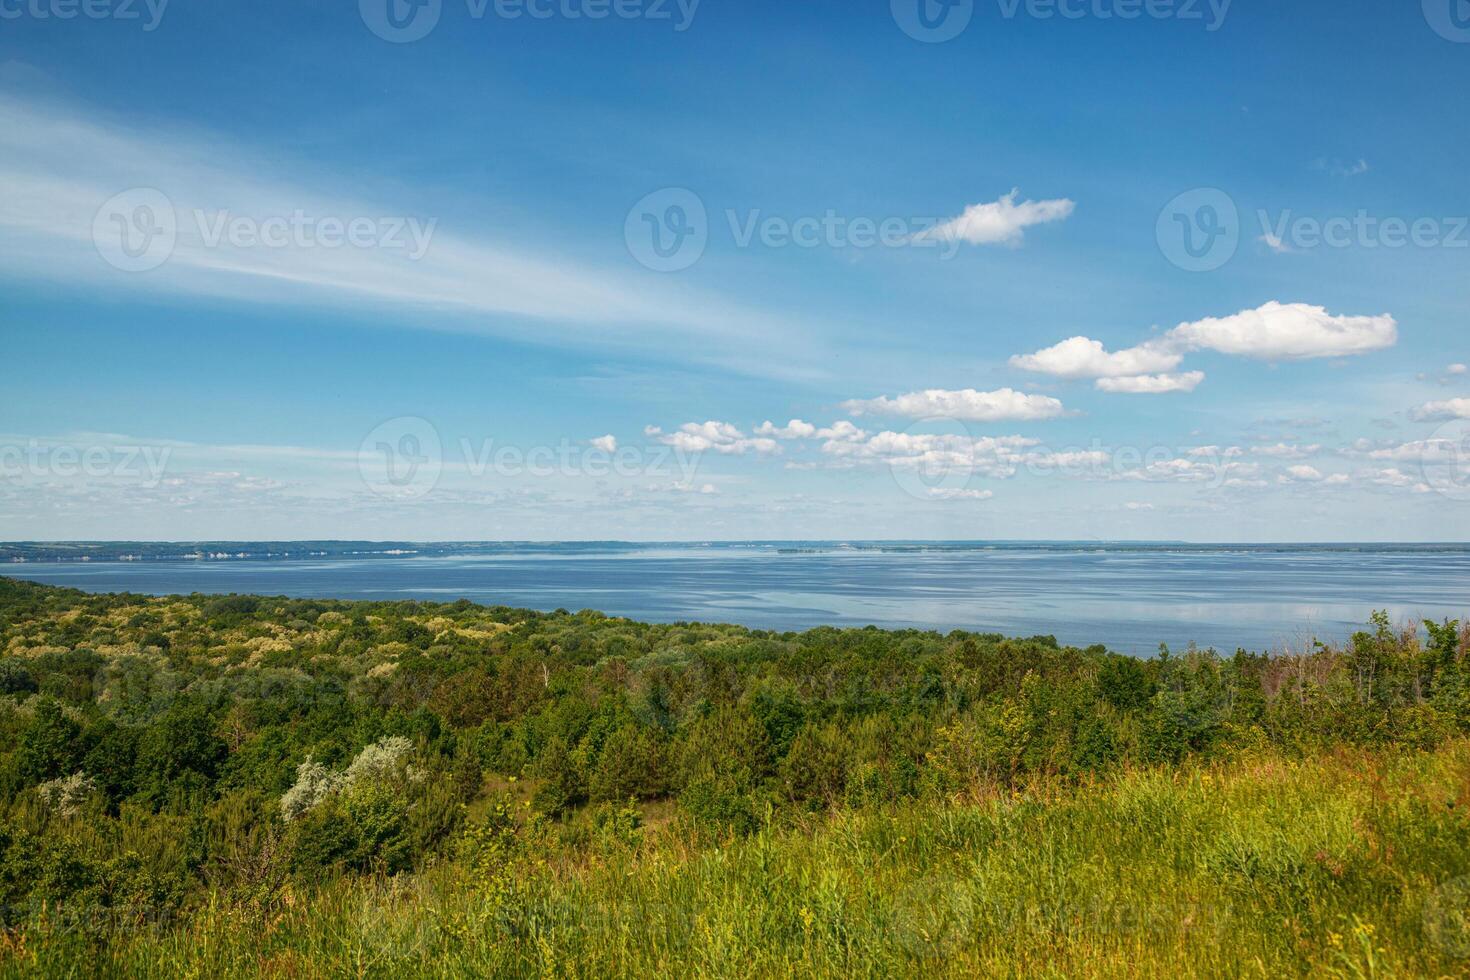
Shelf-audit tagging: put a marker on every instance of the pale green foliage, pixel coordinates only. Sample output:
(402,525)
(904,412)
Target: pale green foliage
(315,782)
(66,796)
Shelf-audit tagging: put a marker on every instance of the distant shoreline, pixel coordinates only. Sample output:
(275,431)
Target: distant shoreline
(211,551)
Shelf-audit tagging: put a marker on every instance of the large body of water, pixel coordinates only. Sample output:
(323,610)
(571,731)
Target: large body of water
(1131,598)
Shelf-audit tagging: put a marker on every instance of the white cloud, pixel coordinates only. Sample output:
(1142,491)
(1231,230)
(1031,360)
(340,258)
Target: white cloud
(967,405)
(1274,331)
(1302,473)
(1452,408)
(1275,244)
(1417,451)
(1394,477)
(1215,452)
(946,493)
(1082,357)
(1138,505)
(1283,450)
(1457,369)
(1152,384)
(1287,331)
(842,431)
(607,443)
(994,456)
(720,437)
(795,429)
(1002,221)
(1182,470)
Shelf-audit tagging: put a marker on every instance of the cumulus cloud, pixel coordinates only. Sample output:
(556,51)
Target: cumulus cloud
(1416,451)
(1302,473)
(1271,332)
(843,431)
(1283,450)
(607,443)
(1002,221)
(1082,357)
(1287,331)
(994,456)
(1457,369)
(1152,384)
(795,429)
(1451,408)
(946,493)
(968,405)
(720,437)
(1395,477)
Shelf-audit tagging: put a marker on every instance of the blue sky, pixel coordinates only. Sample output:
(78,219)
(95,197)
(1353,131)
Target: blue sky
(266,272)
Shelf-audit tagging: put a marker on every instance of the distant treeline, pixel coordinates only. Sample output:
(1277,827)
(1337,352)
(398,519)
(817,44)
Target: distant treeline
(69,551)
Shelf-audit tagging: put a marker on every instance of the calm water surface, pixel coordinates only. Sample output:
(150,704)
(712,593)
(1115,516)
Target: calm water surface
(1131,600)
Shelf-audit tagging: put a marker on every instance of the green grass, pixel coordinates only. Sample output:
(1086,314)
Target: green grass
(1352,864)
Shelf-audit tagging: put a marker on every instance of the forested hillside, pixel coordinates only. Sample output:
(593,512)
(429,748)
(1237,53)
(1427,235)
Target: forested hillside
(244,784)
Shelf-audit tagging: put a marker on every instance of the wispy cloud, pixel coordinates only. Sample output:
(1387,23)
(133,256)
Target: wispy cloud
(1000,222)
(60,166)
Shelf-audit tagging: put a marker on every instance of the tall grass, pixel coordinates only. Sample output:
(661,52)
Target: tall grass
(1352,864)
